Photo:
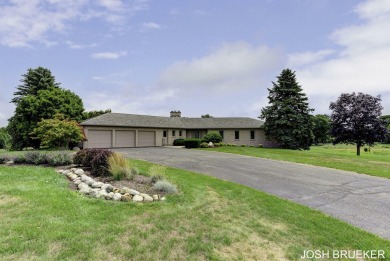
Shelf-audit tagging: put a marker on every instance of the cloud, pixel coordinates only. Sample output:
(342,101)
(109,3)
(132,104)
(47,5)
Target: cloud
(73,45)
(23,23)
(300,59)
(151,25)
(233,66)
(360,64)
(108,55)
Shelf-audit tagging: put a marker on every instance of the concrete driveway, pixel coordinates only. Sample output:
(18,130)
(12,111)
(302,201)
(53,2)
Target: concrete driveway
(361,200)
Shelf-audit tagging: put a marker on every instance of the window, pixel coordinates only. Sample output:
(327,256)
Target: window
(196,134)
(164,134)
(237,135)
(180,134)
(252,134)
(221,133)
(173,133)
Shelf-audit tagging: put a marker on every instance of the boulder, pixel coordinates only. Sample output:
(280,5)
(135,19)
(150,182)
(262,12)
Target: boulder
(60,171)
(147,198)
(110,196)
(107,187)
(162,199)
(155,197)
(101,194)
(124,190)
(117,196)
(79,172)
(126,197)
(65,172)
(133,192)
(116,190)
(138,198)
(97,184)
(82,185)
(77,181)
(210,145)
(85,190)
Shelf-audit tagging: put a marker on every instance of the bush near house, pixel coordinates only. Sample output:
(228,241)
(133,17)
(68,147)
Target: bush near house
(213,136)
(178,142)
(96,159)
(192,143)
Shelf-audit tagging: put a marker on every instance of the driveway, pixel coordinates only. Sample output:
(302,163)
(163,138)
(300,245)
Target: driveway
(361,200)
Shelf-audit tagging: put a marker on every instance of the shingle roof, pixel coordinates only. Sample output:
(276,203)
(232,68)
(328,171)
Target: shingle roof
(147,121)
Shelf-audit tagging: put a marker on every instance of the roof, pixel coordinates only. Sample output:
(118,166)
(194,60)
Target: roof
(147,121)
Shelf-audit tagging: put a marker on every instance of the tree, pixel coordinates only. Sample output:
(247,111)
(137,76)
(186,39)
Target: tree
(321,128)
(287,118)
(34,80)
(206,116)
(57,132)
(386,118)
(5,139)
(37,100)
(91,114)
(355,120)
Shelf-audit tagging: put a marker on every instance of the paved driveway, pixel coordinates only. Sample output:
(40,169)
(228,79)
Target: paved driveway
(361,200)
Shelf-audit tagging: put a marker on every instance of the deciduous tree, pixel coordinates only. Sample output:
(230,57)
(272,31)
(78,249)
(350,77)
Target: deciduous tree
(287,118)
(321,128)
(355,120)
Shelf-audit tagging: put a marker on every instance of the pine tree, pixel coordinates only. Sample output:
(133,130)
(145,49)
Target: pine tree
(287,118)
(34,80)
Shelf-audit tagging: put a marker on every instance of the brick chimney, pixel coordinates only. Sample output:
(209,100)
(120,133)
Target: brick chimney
(176,114)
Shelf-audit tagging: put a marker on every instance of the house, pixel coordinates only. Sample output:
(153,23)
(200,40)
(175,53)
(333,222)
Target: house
(118,130)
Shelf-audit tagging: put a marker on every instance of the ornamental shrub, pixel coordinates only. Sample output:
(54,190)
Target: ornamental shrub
(204,145)
(99,163)
(36,158)
(213,136)
(119,167)
(59,159)
(178,142)
(192,143)
(19,159)
(165,186)
(4,158)
(79,157)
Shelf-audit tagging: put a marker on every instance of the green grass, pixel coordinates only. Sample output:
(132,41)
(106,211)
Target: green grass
(210,219)
(374,163)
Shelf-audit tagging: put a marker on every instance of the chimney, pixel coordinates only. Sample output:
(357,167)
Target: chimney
(176,114)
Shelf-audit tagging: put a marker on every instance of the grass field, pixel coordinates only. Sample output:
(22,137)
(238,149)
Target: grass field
(210,219)
(374,163)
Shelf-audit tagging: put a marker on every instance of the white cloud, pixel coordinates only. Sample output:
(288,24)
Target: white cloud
(108,55)
(73,45)
(151,25)
(300,59)
(361,63)
(23,23)
(233,66)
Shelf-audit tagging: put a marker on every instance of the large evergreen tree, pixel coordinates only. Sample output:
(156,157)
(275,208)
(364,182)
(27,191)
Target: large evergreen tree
(356,120)
(35,103)
(287,118)
(34,80)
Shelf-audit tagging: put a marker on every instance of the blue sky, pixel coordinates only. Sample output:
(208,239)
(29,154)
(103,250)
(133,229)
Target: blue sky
(216,57)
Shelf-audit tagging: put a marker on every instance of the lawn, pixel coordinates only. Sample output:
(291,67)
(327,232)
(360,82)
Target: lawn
(210,219)
(375,162)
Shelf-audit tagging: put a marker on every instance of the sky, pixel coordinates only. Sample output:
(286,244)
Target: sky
(197,56)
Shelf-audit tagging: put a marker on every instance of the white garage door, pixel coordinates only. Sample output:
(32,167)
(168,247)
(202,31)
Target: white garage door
(99,139)
(124,139)
(146,139)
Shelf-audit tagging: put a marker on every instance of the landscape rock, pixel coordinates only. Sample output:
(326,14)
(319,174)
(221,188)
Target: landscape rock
(117,196)
(138,198)
(124,190)
(116,190)
(210,145)
(147,198)
(83,185)
(107,187)
(134,192)
(163,199)
(155,197)
(126,197)
(110,196)
(101,194)
(77,181)
(97,184)
(79,172)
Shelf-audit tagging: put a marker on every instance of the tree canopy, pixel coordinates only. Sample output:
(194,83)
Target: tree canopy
(206,116)
(321,128)
(57,132)
(287,118)
(355,120)
(36,103)
(91,114)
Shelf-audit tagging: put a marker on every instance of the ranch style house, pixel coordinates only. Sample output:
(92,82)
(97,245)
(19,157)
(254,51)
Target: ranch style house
(118,130)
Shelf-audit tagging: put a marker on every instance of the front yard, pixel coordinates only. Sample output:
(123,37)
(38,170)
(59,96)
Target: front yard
(375,162)
(42,219)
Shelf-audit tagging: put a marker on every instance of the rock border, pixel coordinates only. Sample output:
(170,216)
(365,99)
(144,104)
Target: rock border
(89,187)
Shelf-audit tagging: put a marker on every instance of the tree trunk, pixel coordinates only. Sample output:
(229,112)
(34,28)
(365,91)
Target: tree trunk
(358,149)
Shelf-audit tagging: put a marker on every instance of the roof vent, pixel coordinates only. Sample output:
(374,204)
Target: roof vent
(176,114)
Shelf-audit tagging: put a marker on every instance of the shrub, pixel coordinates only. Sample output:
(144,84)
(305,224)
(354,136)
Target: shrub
(204,145)
(261,146)
(251,146)
(156,178)
(79,157)
(19,159)
(157,170)
(243,145)
(99,162)
(4,158)
(35,157)
(134,171)
(59,159)
(192,143)
(178,142)
(165,186)
(119,167)
(213,136)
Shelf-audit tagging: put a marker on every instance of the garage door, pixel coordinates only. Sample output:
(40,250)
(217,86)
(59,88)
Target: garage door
(146,139)
(99,139)
(124,139)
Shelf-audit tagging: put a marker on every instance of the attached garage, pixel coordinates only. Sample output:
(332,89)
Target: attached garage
(146,138)
(99,139)
(124,139)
